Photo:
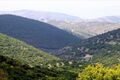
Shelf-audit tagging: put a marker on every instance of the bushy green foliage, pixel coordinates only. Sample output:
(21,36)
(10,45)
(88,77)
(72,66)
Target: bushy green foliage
(3,75)
(12,69)
(99,72)
(21,51)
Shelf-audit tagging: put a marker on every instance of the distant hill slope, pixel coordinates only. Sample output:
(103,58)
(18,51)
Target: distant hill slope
(86,29)
(103,48)
(22,52)
(111,19)
(38,34)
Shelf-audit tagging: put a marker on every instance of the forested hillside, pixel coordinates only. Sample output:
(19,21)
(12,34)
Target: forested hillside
(22,52)
(104,48)
(11,69)
(38,34)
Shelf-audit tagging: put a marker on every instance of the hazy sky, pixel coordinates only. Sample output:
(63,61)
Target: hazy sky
(82,8)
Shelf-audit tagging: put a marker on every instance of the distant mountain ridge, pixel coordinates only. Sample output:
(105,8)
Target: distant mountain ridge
(79,27)
(44,15)
(110,19)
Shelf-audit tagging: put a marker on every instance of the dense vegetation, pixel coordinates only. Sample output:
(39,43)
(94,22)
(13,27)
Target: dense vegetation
(36,33)
(11,69)
(99,72)
(21,51)
(19,61)
(104,48)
